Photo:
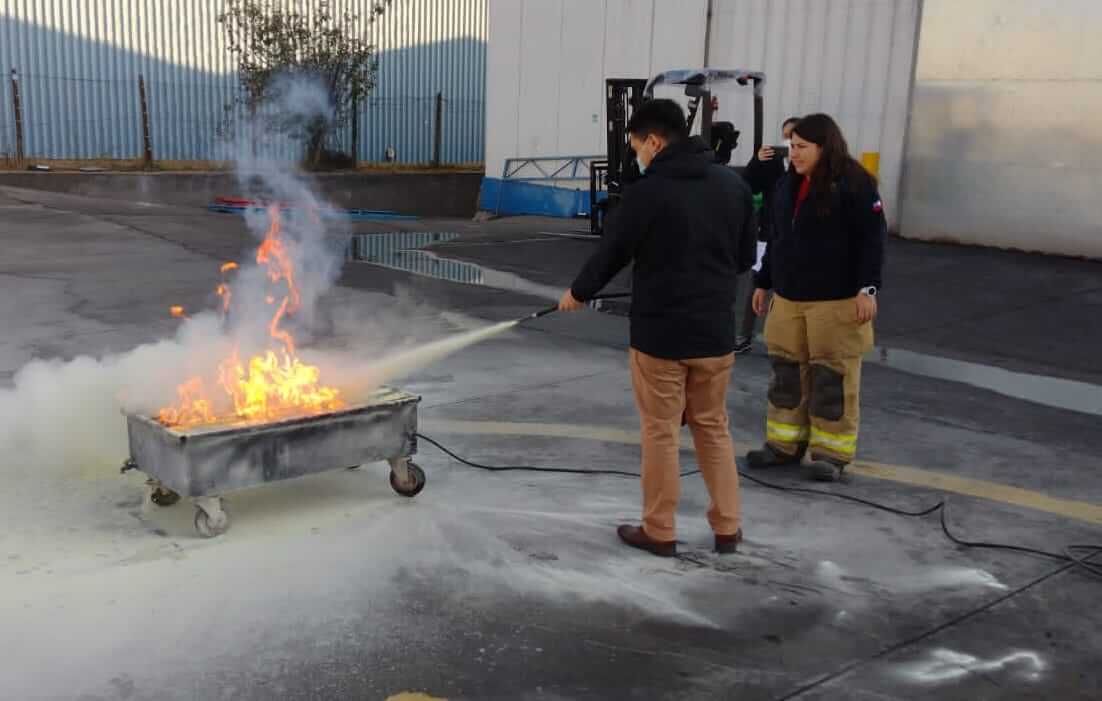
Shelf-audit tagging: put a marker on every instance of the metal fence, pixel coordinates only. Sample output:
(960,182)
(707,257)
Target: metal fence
(76,71)
(7,127)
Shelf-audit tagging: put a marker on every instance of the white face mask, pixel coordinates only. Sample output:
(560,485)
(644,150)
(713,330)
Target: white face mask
(640,164)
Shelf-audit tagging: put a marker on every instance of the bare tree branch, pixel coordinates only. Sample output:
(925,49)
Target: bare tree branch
(270,42)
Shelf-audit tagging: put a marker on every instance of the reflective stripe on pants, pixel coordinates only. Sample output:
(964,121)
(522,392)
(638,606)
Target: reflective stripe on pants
(786,433)
(834,444)
(814,395)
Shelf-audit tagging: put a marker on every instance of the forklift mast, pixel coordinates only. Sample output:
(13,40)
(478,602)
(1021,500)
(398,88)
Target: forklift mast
(624,95)
(700,101)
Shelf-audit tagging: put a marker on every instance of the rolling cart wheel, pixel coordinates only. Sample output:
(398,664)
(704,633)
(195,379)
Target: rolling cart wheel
(208,526)
(417,481)
(163,497)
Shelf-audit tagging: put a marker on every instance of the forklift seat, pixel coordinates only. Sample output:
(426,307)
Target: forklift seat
(724,141)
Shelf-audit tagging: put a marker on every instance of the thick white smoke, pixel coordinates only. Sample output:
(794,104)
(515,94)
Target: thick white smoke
(68,414)
(264,173)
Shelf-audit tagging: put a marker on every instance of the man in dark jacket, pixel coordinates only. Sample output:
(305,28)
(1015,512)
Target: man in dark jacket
(686,226)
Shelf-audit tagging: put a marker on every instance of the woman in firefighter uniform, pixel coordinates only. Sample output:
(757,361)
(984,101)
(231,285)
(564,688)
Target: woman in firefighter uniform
(823,266)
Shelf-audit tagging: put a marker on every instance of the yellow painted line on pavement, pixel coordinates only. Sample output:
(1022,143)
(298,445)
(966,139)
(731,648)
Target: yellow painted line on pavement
(992,491)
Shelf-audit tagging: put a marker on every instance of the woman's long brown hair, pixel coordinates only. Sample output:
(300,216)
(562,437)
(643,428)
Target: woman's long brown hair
(834,164)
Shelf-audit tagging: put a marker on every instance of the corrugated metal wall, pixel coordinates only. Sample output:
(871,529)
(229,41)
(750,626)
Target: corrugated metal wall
(429,46)
(548,60)
(853,59)
(78,63)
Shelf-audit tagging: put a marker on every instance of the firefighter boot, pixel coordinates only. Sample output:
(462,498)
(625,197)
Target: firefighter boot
(825,470)
(768,456)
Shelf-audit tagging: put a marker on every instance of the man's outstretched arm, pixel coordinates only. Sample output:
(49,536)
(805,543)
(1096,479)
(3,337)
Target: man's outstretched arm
(627,223)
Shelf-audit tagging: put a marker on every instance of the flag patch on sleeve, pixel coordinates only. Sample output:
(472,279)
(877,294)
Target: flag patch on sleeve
(878,206)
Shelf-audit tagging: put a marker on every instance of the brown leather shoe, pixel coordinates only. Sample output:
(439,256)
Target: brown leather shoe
(636,537)
(727,544)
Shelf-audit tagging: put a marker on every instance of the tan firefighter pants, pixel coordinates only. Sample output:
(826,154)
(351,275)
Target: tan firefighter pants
(666,390)
(815,388)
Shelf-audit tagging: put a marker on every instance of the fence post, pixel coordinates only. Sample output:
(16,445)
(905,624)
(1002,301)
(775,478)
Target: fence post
(147,143)
(253,144)
(355,131)
(17,106)
(438,125)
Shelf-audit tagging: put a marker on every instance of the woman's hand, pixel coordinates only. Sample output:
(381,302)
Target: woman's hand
(866,308)
(760,301)
(766,153)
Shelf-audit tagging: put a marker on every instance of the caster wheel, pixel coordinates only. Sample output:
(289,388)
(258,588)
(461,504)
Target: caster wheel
(416,481)
(163,497)
(208,526)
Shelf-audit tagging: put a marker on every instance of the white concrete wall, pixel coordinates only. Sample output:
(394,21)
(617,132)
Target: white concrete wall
(1005,145)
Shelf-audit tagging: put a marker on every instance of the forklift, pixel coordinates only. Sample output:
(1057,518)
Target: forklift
(623,96)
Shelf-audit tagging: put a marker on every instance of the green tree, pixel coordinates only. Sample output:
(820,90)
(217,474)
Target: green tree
(271,45)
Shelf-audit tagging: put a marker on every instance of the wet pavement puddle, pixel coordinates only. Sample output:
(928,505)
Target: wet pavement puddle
(402,251)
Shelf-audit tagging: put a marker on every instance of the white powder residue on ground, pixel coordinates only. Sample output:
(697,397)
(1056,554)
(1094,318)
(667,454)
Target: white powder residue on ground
(943,578)
(943,665)
(916,581)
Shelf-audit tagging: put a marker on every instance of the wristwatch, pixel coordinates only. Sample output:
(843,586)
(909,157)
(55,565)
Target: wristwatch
(870,290)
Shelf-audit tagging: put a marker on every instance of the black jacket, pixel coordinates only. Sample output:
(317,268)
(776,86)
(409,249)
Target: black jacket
(812,257)
(762,177)
(686,227)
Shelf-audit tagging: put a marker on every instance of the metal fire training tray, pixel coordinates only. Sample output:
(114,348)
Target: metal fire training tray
(205,462)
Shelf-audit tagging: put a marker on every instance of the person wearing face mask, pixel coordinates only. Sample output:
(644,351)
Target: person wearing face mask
(823,263)
(686,228)
(762,173)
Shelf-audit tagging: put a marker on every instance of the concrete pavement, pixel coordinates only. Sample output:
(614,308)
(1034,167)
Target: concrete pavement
(510,585)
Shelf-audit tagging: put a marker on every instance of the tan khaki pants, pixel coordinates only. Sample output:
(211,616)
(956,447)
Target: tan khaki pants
(815,388)
(697,388)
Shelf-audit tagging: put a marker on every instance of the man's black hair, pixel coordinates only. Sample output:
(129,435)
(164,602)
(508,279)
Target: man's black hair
(663,118)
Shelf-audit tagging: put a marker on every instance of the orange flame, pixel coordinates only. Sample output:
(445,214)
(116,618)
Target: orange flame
(193,408)
(269,385)
(275,332)
(273,254)
(177,311)
(223,291)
